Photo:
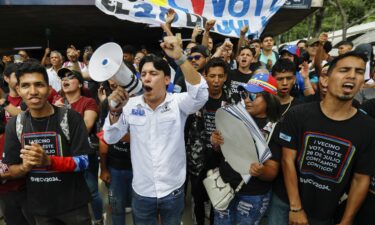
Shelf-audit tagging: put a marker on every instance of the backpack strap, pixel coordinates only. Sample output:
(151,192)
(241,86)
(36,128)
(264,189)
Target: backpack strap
(62,114)
(19,124)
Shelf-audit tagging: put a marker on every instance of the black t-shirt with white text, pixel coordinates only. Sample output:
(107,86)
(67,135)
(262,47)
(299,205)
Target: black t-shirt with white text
(118,156)
(212,157)
(51,192)
(328,153)
(236,78)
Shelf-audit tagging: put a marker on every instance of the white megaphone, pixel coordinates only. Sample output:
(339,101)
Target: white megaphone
(107,63)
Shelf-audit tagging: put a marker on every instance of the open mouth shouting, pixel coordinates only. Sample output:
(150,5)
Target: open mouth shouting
(348,87)
(147,88)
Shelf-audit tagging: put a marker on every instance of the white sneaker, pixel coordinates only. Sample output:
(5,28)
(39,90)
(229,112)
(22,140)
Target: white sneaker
(128,210)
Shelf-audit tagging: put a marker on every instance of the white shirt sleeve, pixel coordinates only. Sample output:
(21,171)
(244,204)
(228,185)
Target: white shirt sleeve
(113,133)
(195,97)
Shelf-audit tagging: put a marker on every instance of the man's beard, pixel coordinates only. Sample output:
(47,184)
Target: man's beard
(345,97)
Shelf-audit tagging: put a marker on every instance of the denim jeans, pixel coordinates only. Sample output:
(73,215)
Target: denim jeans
(119,194)
(244,210)
(278,213)
(170,208)
(91,177)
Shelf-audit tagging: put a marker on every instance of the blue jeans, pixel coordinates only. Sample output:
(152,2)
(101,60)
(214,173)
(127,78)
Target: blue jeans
(119,194)
(170,208)
(244,210)
(91,177)
(278,213)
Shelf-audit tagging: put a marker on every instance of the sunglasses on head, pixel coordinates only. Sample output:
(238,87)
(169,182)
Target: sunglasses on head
(245,94)
(196,57)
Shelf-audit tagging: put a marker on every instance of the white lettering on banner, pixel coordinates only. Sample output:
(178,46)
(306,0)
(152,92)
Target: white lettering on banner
(230,15)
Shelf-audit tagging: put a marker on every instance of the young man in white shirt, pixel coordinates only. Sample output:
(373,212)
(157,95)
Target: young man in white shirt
(156,123)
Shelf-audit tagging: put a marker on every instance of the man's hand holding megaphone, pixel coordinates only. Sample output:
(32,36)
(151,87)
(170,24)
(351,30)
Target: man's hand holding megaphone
(116,101)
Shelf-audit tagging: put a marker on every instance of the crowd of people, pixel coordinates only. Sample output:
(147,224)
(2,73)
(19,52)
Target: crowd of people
(61,132)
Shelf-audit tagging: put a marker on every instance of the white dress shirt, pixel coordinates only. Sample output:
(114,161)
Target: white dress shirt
(157,139)
(53,79)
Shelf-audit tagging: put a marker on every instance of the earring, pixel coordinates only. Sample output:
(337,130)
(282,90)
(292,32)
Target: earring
(80,85)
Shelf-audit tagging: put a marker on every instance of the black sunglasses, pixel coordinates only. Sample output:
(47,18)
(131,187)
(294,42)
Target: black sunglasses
(245,94)
(196,57)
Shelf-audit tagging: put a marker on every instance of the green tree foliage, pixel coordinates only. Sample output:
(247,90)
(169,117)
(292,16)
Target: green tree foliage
(357,11)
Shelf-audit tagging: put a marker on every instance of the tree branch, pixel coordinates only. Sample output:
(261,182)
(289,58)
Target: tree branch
(369,13)
(331,2)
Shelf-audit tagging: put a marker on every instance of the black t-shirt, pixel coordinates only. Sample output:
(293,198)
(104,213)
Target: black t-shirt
(257,65)
(118,156)
(212,157)
(286,107)
(255,186)
(365,214)
(236,78)
(50,192)
(328,153)
(200,126)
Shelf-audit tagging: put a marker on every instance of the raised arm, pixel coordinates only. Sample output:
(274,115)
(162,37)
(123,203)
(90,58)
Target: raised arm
(241,41)
(172,48)
(206,35)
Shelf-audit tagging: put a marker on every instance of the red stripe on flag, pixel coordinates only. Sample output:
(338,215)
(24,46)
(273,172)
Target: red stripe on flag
(198,6)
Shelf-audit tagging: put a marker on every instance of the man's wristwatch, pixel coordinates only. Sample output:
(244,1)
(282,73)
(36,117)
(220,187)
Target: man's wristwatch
(181,60)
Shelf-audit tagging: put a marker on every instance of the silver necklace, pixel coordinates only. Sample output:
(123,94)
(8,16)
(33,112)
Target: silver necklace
(31,123)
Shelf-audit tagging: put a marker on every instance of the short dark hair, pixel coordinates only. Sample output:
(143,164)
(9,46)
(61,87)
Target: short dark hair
(255,41)
(159,64)
(216,62)
(302,41)
(252,50)
(264,36)
(129,49)
(344,43)
(31,68)
(273,107)
(282,66)
(10,68)
(340,57)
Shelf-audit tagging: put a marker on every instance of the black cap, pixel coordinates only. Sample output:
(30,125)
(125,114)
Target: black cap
(64,71)
(200,49)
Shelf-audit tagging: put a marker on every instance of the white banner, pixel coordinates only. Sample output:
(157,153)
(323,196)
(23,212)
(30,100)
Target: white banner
(230,15)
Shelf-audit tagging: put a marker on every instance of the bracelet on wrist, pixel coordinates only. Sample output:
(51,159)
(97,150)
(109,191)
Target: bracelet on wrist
(181,60)
(296,210)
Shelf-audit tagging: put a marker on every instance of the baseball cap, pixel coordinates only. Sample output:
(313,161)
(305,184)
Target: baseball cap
(63,72)
(259,83)
(200,49)
(292,49)
(312,41)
